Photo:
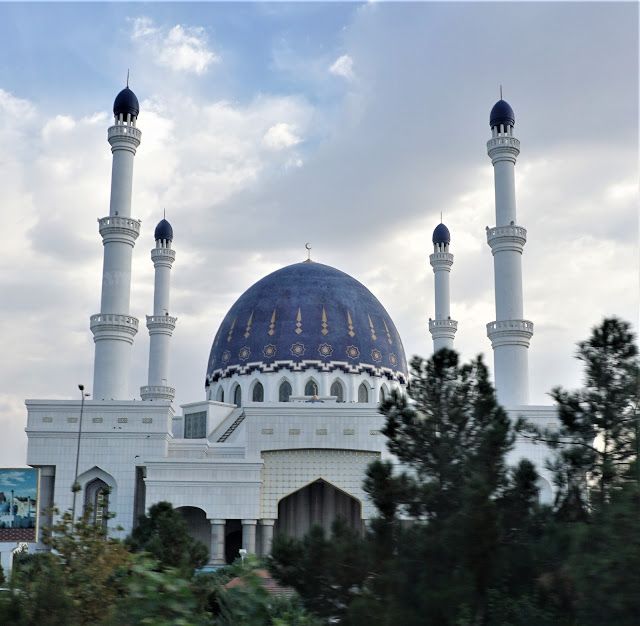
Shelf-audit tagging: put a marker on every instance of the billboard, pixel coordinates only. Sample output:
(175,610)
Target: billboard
(19,491)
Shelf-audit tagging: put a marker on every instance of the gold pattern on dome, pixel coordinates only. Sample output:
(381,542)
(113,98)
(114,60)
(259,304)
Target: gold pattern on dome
(373,330)
(351,332)
(247,330)
(325,325)
(272,324)
(298,329)
(230,335)
(387,331)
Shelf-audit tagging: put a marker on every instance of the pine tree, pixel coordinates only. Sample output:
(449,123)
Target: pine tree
(597,442)
(449,521)
(163,533)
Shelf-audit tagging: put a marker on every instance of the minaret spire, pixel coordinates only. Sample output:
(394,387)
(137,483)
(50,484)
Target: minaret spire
(114,328)
(510,334)
(442,328)
(161,325)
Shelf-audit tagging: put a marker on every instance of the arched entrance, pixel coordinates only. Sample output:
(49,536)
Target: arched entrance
(319,503)
(197,523)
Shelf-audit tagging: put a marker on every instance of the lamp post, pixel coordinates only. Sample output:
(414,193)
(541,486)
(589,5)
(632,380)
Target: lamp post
(76,487)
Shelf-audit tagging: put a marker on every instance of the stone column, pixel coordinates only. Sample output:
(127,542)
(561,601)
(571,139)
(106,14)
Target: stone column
(217,542)
(249,535)
(267,535)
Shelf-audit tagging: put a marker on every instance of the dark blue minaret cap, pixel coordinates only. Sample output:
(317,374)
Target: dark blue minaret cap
(502,113)
(126,102)
(441,234)
(164,231)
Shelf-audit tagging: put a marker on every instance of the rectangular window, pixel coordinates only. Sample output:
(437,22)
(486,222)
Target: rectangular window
(195,425)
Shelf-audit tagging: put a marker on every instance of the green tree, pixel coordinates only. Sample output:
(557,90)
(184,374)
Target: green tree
(449,523)
(597,441)
(154,596)
(163,533)
(74,584)
(596,471)
(328,571)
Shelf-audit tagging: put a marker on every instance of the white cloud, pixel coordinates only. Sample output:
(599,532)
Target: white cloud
(280,136)
(179,48)
(343,66)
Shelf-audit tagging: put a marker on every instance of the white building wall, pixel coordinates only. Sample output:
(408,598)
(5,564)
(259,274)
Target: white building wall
(287,471)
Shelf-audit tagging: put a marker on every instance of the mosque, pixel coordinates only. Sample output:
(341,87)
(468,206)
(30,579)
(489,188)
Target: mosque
(289,421)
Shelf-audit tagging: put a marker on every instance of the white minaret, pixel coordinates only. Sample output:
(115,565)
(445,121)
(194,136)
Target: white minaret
(442,328)
(160,324)
(113,328)
(510,333)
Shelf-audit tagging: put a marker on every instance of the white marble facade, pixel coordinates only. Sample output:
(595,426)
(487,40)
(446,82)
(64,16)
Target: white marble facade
(244,458)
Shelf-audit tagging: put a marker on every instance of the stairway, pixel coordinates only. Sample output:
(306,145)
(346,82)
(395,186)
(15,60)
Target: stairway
(227,433)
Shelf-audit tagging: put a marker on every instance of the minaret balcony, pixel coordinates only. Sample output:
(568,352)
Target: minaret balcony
(503,147)
(503,141)
(161,323)
(441,260)
(115,227)
(443,328)
(126,132)
(157,392)
(510,332)
(502,238)
(113,325)
(163,256)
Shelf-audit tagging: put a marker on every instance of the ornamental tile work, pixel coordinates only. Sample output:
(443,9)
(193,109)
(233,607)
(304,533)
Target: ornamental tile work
(353,352)
(307,315)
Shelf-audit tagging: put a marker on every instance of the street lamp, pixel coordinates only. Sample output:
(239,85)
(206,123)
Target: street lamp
(76,486)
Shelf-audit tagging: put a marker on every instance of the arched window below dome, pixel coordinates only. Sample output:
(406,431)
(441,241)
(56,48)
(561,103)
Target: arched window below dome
(384,393)
(258,392)
(220,394)
(311,388)
(237,396)
(337,390)
(284,393)
(363,393)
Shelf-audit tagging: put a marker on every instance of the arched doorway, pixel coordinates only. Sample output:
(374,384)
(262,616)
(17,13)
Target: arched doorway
(96,500)
(197,524)
(319,503)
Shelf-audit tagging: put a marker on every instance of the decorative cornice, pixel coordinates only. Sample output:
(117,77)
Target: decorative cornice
(301,366)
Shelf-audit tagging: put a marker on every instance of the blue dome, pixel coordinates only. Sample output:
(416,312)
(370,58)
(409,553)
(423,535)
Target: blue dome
(126,102)
(502,113)
(307,315)
(441,234)
(163,231)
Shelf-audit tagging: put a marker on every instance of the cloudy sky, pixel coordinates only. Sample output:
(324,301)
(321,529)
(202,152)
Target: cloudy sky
(351,126)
